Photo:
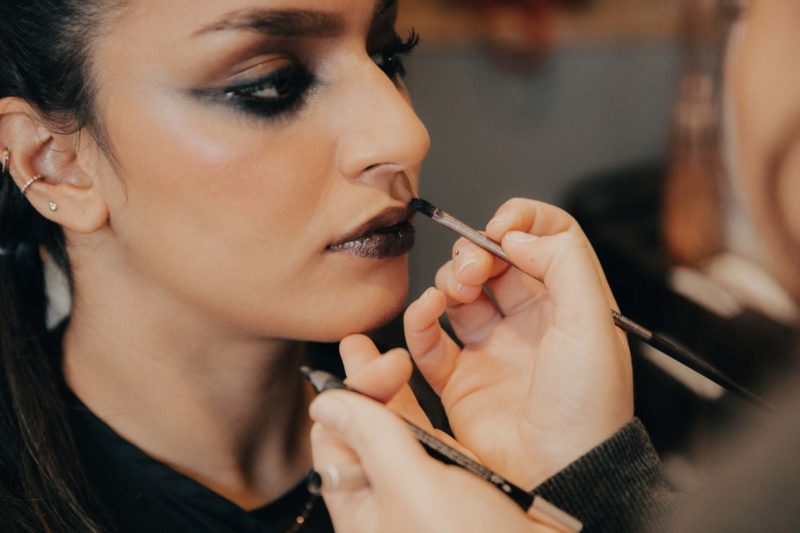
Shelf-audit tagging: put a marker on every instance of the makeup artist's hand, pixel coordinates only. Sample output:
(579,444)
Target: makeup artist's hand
(407,490)
(547,376)
(384,377)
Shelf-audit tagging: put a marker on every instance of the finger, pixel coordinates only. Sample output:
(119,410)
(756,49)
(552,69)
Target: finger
(457,293)
(473,265)
(462,278)
(471,312)
(565,265)
(541,219)
(391,457)
(529,216)
(472,323)
(382,377)
(516,290)
(356,434)
(357,351)
(536,218)
(327,448)
(433,350)
(379,377)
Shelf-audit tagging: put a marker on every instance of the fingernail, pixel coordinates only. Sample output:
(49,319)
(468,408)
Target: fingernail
(495,221)
(329,412)
(520,237)
(463,263)
(426,296)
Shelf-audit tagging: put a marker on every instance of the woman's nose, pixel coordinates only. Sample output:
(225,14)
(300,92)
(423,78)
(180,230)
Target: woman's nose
(381,136)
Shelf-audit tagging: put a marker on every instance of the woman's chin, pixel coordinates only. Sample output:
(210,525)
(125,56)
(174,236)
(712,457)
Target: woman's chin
(361,315)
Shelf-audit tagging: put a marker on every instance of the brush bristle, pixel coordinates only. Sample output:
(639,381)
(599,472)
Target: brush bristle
(426,208)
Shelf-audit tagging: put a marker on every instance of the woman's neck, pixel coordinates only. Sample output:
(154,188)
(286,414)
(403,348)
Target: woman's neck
(227,411)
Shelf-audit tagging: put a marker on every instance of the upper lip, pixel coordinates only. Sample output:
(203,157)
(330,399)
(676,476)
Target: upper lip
(387,218)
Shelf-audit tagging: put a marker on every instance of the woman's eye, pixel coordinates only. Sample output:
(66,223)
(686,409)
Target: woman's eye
(280,92)
(389,58)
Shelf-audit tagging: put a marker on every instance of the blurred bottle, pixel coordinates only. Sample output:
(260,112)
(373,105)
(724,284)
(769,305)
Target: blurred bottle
(693,218)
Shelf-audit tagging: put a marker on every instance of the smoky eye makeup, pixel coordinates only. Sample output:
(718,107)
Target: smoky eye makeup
(279,91)
(278,87)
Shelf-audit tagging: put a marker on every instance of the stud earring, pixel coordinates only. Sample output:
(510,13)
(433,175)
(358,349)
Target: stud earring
(53,206)
(4,163)
(30,182)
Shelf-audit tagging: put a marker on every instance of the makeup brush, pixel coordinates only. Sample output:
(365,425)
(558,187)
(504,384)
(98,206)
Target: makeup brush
(535,506)
(656,340)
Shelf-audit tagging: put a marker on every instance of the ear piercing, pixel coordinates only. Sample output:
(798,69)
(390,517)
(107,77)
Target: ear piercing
(4,167)
(30,182)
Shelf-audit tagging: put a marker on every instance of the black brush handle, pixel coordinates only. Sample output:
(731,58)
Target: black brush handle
(682,354)
(448,455)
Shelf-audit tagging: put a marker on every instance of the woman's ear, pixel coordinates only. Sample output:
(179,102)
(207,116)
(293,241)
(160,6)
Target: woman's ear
(67,191)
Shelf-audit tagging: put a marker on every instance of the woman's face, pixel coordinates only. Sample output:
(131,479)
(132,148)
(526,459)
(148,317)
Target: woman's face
(766,83)
(255,142)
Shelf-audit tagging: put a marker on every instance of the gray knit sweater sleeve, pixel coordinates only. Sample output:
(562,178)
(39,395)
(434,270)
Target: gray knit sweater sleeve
(618,486)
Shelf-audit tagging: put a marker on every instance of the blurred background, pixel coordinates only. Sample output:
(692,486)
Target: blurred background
(614,110)
(526,98)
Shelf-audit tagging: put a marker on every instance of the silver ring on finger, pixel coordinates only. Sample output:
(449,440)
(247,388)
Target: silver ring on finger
(337,477)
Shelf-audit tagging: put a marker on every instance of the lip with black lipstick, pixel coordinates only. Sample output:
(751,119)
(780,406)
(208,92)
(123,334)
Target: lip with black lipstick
(390,234)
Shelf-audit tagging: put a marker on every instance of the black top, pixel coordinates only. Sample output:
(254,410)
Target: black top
(140,494)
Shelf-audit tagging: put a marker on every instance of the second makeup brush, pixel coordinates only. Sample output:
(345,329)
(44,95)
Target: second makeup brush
(535,506)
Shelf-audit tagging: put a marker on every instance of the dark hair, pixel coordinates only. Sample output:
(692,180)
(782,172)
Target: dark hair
(44,59)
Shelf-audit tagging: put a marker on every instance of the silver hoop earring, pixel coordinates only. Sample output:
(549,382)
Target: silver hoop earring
(30,182)
(6,156)
(53,206)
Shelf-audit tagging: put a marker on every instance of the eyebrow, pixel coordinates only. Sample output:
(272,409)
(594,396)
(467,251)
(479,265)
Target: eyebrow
(288,23)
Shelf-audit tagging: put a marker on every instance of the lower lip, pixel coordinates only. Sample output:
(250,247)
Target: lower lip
(394,241)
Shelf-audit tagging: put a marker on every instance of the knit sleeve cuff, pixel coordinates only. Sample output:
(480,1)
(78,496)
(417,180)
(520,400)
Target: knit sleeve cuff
(618,486)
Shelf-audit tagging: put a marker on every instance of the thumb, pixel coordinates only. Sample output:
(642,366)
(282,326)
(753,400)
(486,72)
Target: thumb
(389,454)
(378,376)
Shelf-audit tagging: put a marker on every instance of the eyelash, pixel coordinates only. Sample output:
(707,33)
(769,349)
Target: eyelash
(289,87)
(389,59)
